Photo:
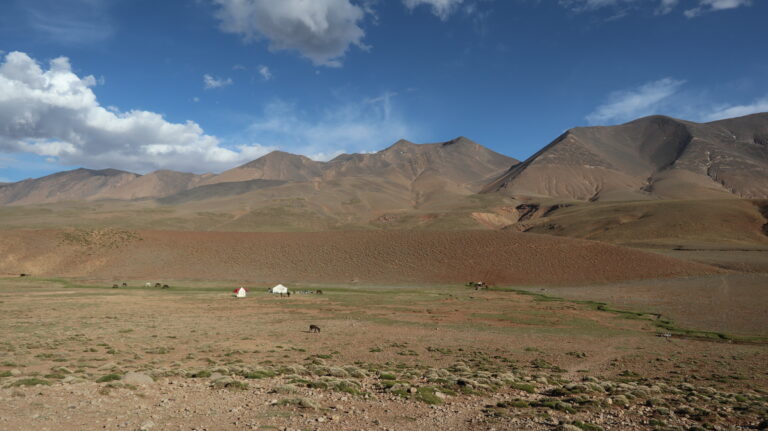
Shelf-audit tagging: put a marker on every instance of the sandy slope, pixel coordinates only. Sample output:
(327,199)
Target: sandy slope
(374,257)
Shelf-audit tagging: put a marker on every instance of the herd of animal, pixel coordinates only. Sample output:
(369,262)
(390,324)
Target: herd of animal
(313,329)
(162,286)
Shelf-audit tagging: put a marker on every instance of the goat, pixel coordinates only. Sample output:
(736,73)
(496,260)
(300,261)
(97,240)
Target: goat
(314,328)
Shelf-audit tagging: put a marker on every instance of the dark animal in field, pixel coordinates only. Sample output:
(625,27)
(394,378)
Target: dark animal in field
(165,286)
(158,284)
(114,286)
(125,284)
(24,275)
(314,328)
(319,292)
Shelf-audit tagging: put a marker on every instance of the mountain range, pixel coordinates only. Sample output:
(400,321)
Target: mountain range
(655,178)
(458,166)
(653,157)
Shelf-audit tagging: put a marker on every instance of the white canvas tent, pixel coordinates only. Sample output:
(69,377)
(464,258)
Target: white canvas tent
(241,292)
(279,289)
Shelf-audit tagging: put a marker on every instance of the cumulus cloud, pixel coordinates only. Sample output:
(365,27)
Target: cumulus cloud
(54,113)
(646,99)
(715,5)
(731,111)
(265,72)
(441,8)
(212,82)
(355,126)
(663,7)
(321,30)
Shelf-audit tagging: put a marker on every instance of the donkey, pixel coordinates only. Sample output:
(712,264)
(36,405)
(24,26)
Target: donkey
(314,328)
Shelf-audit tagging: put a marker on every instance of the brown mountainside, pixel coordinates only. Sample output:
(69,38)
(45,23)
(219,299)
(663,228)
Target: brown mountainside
(653,157)
(75,185)
(276,165)
(405,172)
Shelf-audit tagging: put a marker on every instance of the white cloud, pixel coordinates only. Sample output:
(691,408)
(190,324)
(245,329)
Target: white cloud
(69,21)
(667,6)
(357,126)
(646,99)
(55,113)
(265,72)
(212,82)
(321,30)
(663,7)
(715,5)
(731,111)
(441,8)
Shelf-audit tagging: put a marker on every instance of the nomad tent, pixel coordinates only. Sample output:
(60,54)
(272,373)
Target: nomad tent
(279,289)
(240,292)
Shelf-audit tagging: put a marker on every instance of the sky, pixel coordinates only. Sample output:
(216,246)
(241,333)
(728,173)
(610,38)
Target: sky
(207,85)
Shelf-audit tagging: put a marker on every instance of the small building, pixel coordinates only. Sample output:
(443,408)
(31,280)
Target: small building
(279,289)
(240,292)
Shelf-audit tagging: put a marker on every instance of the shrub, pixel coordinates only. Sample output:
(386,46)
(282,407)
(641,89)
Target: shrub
(427,394)
(108,378)
(33,381)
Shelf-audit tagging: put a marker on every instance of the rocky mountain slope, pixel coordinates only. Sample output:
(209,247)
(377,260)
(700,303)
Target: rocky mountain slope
(650,158)
(413,171)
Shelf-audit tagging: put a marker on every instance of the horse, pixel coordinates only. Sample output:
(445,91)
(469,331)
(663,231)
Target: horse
(314,328)
(114,286)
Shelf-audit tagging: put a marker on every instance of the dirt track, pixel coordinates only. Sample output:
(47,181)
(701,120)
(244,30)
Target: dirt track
(367,257)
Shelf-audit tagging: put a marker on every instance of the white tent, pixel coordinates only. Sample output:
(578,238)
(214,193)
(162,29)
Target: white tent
(240,293)
(279,289)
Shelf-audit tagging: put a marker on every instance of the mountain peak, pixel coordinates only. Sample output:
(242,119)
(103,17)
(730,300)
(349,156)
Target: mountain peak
(461,140)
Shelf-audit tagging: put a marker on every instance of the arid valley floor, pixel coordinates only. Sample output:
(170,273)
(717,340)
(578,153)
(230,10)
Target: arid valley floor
(77,354)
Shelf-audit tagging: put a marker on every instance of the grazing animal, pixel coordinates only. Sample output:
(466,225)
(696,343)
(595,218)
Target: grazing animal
(125,284)
(319,292)
(165,286)
(147,284)
(23,275)
(114,286)
(314,328)
(158,284)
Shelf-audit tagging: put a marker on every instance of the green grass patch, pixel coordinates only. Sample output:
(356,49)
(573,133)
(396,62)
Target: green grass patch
(108,378)
(427,394)
(32,381)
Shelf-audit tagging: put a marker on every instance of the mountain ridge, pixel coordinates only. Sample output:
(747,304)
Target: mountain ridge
(401,163)
(655,157)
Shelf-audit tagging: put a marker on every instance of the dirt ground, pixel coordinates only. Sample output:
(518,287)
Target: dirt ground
(329,257)
(75,355)
(733,303)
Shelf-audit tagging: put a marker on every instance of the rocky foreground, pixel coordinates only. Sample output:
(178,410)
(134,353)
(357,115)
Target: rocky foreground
(481,392)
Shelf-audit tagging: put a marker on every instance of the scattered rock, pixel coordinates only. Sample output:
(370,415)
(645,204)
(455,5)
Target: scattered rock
(137,379)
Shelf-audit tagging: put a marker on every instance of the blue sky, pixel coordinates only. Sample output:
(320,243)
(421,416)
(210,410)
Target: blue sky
(205,85)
